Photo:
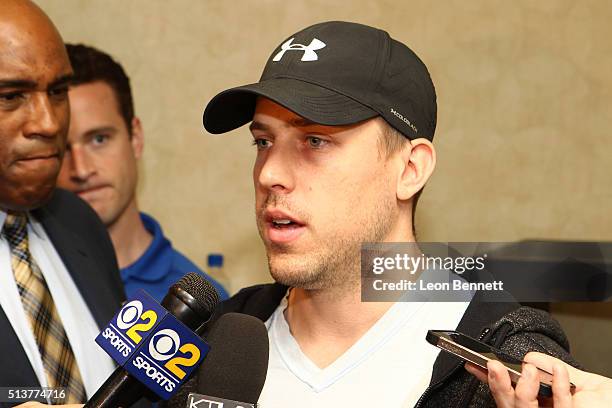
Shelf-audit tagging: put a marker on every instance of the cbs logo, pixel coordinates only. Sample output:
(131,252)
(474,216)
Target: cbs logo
(165,344)
(132,313)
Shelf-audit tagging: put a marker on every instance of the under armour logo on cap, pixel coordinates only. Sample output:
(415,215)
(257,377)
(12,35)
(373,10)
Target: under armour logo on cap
(309,50)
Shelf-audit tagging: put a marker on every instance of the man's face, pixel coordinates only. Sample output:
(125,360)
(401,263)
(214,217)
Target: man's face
(101,160)
(320,192)
(34,111)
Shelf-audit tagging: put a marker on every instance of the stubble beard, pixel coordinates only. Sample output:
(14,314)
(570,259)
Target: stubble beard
(336,262)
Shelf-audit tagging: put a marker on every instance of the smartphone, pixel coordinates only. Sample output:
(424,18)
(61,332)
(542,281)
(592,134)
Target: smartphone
(479,353)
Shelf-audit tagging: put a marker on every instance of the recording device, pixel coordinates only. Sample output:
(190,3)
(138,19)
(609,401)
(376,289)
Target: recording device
(145,328)
(479,353)
(234,371)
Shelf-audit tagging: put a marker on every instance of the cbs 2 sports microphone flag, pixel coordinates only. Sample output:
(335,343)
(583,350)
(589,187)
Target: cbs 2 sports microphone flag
(152,345)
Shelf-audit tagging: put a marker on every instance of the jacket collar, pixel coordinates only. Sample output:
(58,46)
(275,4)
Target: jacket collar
(482,313)
(77,261)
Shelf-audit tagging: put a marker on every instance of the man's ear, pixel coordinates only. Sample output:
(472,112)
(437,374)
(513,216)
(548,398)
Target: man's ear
(137,137)
(419,161)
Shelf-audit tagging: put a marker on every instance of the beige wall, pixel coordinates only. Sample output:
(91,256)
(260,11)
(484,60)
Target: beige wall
(524,91)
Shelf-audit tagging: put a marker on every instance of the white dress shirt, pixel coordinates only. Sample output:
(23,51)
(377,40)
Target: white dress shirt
(95,365)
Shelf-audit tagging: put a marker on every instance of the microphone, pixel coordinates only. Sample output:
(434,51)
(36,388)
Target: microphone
(191,300)
(234,369)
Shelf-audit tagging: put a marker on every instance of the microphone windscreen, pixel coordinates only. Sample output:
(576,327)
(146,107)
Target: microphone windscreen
(192,300)
(201,289)
(237,364)
(235,368)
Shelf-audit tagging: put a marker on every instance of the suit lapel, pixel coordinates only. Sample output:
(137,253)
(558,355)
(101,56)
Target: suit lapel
(21,371)
(80,265)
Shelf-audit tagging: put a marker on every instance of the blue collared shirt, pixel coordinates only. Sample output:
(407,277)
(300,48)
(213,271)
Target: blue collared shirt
(160,266)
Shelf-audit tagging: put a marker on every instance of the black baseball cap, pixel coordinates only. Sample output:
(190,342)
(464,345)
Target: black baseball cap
(337,73)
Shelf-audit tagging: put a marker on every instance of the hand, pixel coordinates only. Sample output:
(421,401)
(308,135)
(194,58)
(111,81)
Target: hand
(33,404)
(592,390)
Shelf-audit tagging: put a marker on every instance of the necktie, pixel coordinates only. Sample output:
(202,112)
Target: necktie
(58,359)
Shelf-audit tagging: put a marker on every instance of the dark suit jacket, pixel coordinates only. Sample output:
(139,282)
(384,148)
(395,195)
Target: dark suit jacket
(81,240)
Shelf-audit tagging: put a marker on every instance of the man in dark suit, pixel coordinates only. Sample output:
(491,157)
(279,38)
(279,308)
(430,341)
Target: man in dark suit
(59,280)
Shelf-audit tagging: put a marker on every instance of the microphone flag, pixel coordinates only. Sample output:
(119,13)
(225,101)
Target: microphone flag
(152,345)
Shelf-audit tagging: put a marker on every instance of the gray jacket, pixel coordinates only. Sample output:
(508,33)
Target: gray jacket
(505,325)
(517,332)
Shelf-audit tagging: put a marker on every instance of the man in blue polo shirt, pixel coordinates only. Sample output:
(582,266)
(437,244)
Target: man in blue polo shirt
(105,141)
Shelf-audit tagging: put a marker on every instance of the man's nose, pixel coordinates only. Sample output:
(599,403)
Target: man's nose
(81,166)
(46,118)
(275,169)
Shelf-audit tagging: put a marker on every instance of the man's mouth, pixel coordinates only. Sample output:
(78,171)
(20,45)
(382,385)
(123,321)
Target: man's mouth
(282,228)
(38,157)
(89,192)
(281,219)
(284,223)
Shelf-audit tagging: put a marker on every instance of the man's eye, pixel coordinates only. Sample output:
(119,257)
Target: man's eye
(59,92)
(261,143)
(314,141)
(11,96)
(99,139)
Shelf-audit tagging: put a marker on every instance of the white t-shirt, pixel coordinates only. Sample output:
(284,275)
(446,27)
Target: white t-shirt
(390,366)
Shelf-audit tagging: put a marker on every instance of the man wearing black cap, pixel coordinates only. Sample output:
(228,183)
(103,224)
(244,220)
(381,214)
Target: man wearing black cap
(343,119)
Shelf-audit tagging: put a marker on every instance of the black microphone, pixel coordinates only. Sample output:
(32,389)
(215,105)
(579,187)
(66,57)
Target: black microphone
(235,368)
(191,300)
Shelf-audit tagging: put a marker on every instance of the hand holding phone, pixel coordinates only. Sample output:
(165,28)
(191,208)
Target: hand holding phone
(591,391)
(480,354)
